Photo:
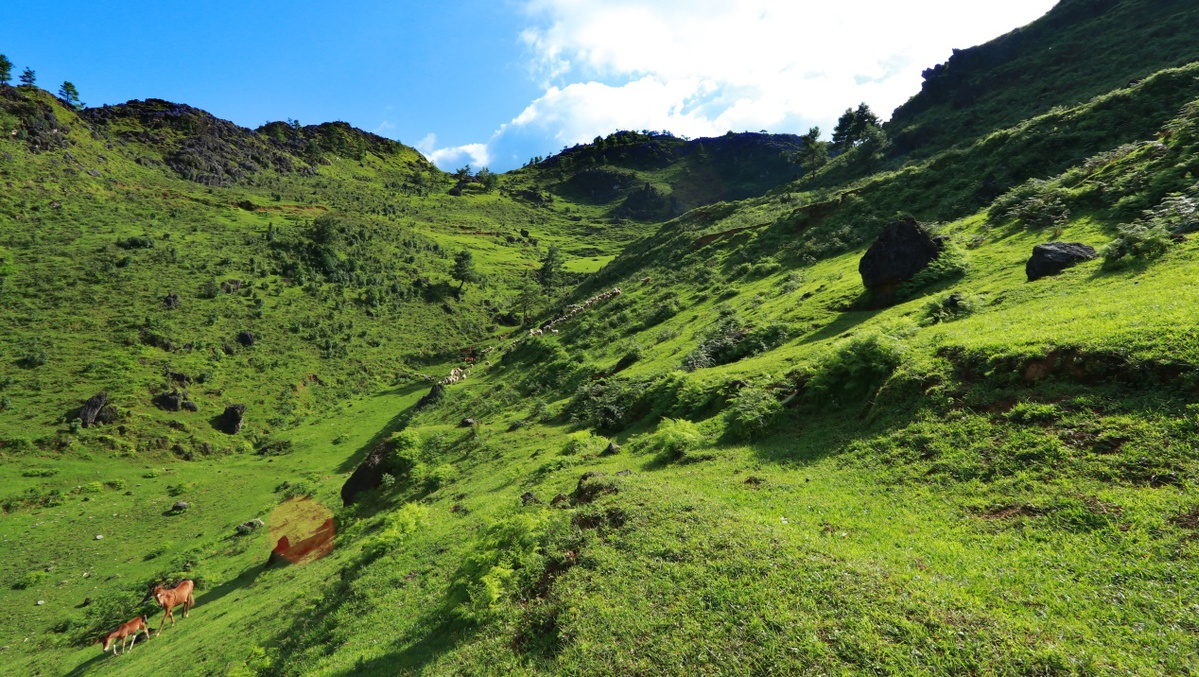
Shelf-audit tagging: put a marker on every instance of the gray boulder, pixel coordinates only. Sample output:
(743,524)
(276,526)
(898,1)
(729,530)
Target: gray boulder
(1052,258)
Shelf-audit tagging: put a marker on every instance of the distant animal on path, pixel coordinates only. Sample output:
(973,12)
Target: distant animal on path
(169,598)
(123,633)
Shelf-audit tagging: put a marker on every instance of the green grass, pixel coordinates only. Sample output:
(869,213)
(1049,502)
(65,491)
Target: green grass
(838,489)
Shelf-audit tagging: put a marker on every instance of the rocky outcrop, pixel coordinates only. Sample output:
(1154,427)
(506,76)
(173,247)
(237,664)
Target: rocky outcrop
(92,408)
(174,401)
(901,251)
(368,475)
(233,419)
(432,397)
(1052,258)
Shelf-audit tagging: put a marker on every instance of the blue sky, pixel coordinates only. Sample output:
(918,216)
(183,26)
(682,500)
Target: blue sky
(497,82)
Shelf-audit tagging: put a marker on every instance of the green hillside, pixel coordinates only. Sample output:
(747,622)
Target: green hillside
(742,462)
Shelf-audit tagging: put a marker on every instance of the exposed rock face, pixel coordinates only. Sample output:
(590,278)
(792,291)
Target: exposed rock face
(92,408)
(612,449)
(901,250)
(368,475)
(528,497)
(468,422)
(1052,258)
(180,506)
(174,401)
(432,397)
(232,420)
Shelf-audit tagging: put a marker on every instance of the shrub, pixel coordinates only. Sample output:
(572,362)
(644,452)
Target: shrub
(674,438)
(508,554)
(584,442)
(30,579)
(729,341)
(387,482)
(296,489)
(752,412)
(861,363)
(1036,203)
(440,476)
(397,527)
(952,307)
(1139,241)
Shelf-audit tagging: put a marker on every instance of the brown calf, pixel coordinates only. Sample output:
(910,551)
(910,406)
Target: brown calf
(169,598)
(123,633)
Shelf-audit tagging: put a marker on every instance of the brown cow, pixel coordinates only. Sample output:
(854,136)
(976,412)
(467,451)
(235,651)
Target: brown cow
(169,598)
(122,633)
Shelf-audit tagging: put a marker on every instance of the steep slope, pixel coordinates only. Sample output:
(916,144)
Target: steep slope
(1080,49)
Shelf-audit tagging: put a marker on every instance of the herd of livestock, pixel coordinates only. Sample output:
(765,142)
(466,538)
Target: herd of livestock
(460,373)
(167,599)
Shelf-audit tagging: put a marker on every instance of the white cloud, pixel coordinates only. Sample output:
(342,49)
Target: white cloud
(703,67)
(475,154)
(384,127)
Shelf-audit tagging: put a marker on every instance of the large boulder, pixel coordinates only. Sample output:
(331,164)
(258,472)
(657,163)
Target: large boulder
(903,249)
(1052,258)
(91,409)
(233,419)
(368,475)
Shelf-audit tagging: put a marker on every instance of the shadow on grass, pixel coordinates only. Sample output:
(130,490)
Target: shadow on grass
(87,666)
(244,580)
(432,642)
(846,321)
(397,422)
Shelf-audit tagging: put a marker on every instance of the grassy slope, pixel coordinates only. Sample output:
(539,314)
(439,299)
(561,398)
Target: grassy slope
(1080,49)
(957,514)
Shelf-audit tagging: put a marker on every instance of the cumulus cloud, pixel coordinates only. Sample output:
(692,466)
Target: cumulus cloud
(704,67)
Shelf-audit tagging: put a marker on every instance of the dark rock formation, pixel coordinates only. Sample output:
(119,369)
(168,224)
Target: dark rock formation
(246,338)
(528,497)
(174,401)
(901,250)
(432,397)
(468,422)
(1052,258)
(612,450)
(180,506)
(560,500)
(232,420)
(92,408)
(368,475)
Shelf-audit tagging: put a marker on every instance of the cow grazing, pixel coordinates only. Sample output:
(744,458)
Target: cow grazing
(123,633)
(169,598)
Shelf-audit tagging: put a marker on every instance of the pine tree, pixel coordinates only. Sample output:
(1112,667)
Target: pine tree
(464,268)
(551,267)
(69,94)
(28,77)
(5,70)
